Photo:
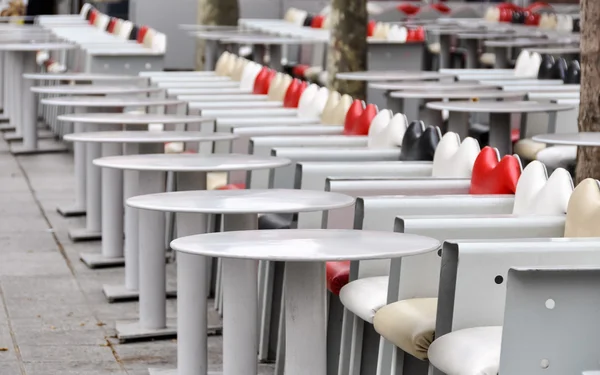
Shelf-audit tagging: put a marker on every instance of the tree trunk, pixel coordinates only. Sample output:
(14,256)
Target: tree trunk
(348,45)
(215,12)
(588,158)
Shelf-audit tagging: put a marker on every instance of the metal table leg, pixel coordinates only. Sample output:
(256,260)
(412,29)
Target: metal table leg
(500,132)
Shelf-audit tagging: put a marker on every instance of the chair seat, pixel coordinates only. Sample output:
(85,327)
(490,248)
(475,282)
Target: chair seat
(558,156)
(364,297)
(488,58)
(337,275)
(472,351)
(434,48)
(528,149)
(215,180)
(409,324)
(275,221)
(232,187)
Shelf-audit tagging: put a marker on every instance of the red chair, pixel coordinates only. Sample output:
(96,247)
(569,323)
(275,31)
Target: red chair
(93,16)
(141,34)
(352,115)
(293,93)
(317,21)
(263,81)
(111,25)
(408,9)
(371,28)
(363,122)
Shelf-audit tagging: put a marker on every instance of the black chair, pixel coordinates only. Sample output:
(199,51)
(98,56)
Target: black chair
(134,33)
(545,71)
(308,20)
(559,70)
(573,73)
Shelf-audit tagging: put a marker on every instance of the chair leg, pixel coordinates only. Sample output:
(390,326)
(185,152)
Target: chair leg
(385,357)
(358,326)
(334,332)
(280,355)
(345,342)
(369,351)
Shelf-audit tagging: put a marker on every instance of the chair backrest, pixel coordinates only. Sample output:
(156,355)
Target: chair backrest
(306,99)
(238,70)
(125,30)
(492,175)
(249,74)
(111,25)
(327,116)
(453,158)
(378,136)
(583,211)
(419,142)
(221,63)
(102,21)
(341,109)
(159,43)
(141,34)
(537,194)
(85,10)
(92,16)
(317,105)
(134,32)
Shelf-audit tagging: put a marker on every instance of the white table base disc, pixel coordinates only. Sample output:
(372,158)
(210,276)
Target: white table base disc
(93,260)
(84,234)
(159,371)
(45,146)
(14,137)
(131,331)
(70,210)
(6,127)
(119,293)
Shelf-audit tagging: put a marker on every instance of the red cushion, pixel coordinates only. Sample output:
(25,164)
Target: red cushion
(507,5)
(263,81)
(337,275)
(299,70)
(232,187)
(142,33)
(408,9)
(493,176)
(371,28)
(442,8)
(354,112)
(293,93)
(93,16)
(538,5)
(533,19)
(317,21)
(111,25)
(505,15)
(515,135)
(362,124)
(415,35)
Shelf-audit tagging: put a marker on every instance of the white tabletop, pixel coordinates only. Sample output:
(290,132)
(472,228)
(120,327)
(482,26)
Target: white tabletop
(429,85)
(83,77)
(543,88)
(316,245)
(446,94)
(220,34)
(269,121)
(92,89)
(266,40)
(132,118)
(498,107)
(33,47)
(148,137)
(242,201)
(191,162)
(392,75)
(108,101)
(570,139)
(526,42)
(555,50)
(232,104)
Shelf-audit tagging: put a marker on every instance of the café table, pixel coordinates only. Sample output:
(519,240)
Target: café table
(304,253)
(582,139)
(501,48)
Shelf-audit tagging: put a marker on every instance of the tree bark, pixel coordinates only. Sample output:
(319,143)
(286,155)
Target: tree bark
(588,158)
(215,12)
(348,45)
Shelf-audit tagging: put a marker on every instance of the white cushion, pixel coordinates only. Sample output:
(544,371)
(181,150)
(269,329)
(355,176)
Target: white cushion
(384,134)
(537,194)
(521,63)
(248,76)
(317,105)
(365,296)
(397,34)
(434,48)
(472,351)
(328,113)
(488,58)
(215,180)
(453,159)
(304,105)
(558,156)
(408,324)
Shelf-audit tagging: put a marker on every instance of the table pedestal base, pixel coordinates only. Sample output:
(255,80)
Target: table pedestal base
(120,293)
(72,210)
(84,234)
(93,260)
(44,147)
(158,371)
(133,331)
(15,137)
(5,127)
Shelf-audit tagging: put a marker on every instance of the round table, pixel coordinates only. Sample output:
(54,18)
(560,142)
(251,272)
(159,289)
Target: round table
(131,143)
(569,51)
(87,177)
(583,139)
(500,127)
(392,75)
(471,42)
(93,90)
(109,101)
(144,174)
(396,100)
(82,77)
(501,47)
(428,85)
(304,253)
(18,101)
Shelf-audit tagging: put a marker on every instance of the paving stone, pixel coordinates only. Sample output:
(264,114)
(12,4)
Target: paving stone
(74,368)
(67,353)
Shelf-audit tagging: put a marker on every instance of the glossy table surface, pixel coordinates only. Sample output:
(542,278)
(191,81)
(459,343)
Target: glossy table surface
(83,77)
(392,75)
(428,85)
(132,118)
(108,101)
(570,139)
(92,89)
(467,94)
(498,107)
(147,136)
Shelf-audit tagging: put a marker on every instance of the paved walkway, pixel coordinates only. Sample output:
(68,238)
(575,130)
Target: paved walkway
(54,319)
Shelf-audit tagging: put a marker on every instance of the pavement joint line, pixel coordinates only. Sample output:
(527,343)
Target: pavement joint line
(12,334)
(72,270)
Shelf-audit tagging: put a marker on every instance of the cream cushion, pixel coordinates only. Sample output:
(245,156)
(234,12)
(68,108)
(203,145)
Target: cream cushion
(487,58)
(583,212)
(339,113)
(528,148)
(327,117)
(215,180)
(238,69)
(472,351)
(408,324)
(434,48)
(222,62)
(364,297)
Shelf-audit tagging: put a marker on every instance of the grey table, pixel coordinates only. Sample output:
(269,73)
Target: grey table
(429,85)
(393,75)
(471,42)
(304,253)
(500,112)
(129,142)
(83,77)
(397,100)
(583,139)
(501,48)
(19,102)
(144,266)
(88,177)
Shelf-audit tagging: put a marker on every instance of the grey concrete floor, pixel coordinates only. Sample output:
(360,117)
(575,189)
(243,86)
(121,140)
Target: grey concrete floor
(54,318)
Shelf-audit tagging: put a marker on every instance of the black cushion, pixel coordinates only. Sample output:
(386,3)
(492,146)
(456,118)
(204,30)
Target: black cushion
(134,33)
(276,221)
(420,142)
(576,25)
(308,20)
(518,17)
(559,69)
(545,71)
(573,73)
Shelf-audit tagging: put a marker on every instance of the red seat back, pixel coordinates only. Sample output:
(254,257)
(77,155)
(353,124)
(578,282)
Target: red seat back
(141,34)
(93,16)
(362,123)
(354,112)
(494,176)
(371,28)
(317,21)
(293,93)
(111,25)
(408,9)
(263,81)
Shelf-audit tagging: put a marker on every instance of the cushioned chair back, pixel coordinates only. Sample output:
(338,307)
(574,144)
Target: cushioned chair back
(93,15)
(545,70)
(249,74)
(453,158)
(282,87)
(293,93)
(148,39)
(229,65)
(117,29)
(238,69)
(125,30)
(317,105)
(378,136)
(221,62)
(354,112)
(521,63)
(559,70)
(341,109)
(537,194)
(134,32)
(85,10)
(102,21)
(263,81)
(143,30)
(271,94)
(306,99)
(573,73)
(583,211)
(327,116)
(492,175)
(419,142)
(158,42)
(111,25)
